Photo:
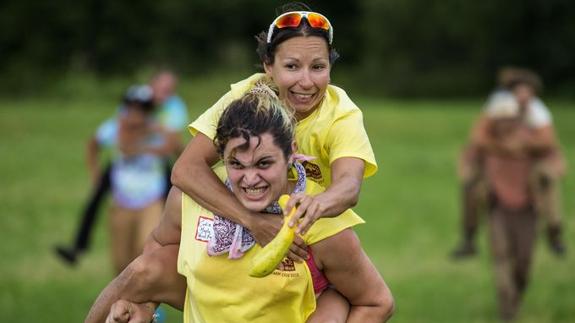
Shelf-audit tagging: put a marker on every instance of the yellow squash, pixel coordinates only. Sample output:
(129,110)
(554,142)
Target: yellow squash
(267,259)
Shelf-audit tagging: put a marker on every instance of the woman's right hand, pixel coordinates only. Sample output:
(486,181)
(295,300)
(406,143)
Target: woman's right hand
(264,228)
(127,312)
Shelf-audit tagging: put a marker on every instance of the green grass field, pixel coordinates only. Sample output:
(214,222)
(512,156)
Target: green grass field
(411,207)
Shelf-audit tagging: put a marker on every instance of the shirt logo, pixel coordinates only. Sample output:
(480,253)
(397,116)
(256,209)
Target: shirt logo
(312,171)
(286,269)
(204,229)
(287,265)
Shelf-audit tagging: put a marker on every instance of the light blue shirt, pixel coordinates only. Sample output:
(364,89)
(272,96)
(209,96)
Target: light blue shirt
(173,114)
(136,181)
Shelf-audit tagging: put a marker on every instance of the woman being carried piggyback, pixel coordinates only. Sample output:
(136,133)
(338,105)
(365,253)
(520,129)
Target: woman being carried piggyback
(255,140)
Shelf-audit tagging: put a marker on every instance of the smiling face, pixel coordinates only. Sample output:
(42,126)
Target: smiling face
(258,174)
(301,71)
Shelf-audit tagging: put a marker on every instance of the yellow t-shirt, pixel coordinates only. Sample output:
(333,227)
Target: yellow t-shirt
(219,289)
(332,131)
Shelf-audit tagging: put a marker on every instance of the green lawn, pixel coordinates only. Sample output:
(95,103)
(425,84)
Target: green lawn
(411,207)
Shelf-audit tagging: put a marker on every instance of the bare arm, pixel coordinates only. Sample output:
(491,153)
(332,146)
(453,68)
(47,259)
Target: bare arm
(348,268)
(485,139)
(92,159)
(342,194)
(541,140)
(480,133)
(152,276)
(169,229)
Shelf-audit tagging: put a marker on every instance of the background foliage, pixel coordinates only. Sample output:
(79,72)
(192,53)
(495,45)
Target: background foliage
(64,64)
(393,47)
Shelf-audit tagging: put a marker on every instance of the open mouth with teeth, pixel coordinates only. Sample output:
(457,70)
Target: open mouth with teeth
(302,98)
(255,193)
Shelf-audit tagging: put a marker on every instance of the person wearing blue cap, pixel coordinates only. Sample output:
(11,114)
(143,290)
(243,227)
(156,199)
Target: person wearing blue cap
(170,112)
(137,177)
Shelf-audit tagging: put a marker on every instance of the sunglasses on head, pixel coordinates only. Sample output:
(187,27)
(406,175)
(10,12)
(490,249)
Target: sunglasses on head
(293,19)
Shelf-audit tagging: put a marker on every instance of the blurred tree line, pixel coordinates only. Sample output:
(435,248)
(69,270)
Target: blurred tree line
(392,47)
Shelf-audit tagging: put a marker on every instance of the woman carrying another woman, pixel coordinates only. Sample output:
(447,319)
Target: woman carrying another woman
(297,56)
(255,140)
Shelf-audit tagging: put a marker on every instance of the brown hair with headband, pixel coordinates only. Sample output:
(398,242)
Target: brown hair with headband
(267,51)
(257,112)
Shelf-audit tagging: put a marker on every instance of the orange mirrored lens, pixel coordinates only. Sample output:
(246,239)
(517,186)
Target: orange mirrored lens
(317,21)
(289,21)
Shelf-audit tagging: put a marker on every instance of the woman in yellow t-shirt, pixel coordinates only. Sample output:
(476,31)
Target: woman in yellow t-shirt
(255,140)
(297,54)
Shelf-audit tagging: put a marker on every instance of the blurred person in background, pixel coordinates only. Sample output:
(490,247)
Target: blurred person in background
(509,153)
(171,113)
(137,177)
(548,170)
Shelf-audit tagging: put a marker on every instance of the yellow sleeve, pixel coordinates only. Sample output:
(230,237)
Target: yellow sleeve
(347,137)
(327,227)
(207,122)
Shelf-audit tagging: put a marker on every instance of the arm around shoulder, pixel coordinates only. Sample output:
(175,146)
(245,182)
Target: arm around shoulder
(543,139)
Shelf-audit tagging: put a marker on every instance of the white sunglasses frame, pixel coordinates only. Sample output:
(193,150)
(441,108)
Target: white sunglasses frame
(304,14)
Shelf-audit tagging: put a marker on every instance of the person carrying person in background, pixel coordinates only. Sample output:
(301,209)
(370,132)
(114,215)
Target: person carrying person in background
(549,168)
(509,153)
(171,113)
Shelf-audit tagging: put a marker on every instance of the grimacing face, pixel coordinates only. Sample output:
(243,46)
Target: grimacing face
(301,71)
(258,175)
